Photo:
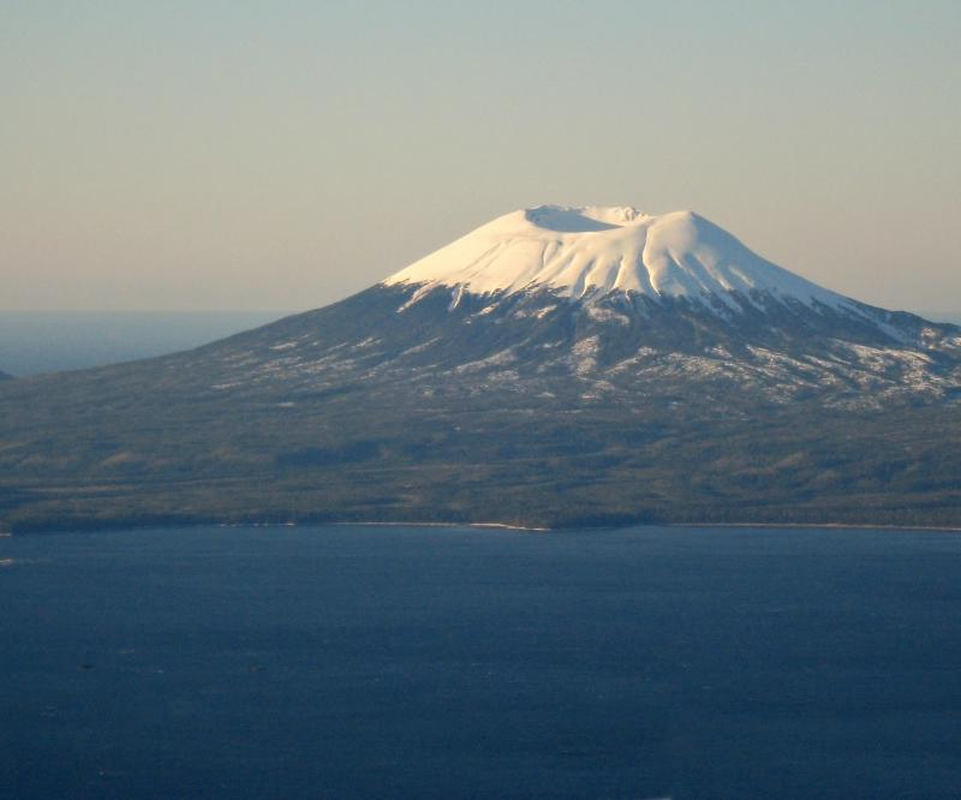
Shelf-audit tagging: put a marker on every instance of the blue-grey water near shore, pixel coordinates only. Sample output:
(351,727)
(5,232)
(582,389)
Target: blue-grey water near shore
(432,662)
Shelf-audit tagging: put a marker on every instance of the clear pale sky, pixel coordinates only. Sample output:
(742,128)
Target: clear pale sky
(281,155)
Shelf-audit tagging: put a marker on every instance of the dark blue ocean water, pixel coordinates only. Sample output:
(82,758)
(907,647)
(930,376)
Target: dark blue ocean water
(423,662)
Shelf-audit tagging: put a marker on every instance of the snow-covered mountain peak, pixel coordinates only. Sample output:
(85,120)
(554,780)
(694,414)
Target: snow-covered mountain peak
(590,251)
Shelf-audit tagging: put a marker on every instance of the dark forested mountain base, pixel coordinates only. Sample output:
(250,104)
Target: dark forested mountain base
(538,412)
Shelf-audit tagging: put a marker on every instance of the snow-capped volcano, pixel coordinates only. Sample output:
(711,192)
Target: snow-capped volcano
(557,365)
(588,252)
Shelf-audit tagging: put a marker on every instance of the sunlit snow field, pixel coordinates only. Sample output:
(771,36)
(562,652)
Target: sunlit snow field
(352,661)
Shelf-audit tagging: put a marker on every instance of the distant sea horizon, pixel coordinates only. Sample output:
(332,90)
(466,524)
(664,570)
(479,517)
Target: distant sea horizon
(35,342)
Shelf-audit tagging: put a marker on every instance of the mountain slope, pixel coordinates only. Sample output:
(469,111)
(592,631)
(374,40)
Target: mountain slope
(557,366)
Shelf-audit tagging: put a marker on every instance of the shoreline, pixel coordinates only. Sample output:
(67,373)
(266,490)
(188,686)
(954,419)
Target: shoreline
(479,525)
(6,534)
